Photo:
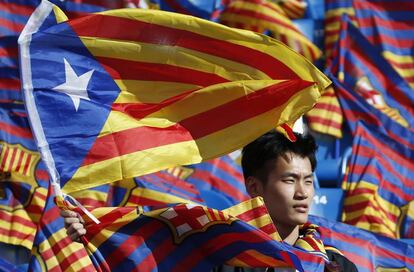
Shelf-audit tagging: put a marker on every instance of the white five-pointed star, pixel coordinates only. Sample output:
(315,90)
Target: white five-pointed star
(75,86)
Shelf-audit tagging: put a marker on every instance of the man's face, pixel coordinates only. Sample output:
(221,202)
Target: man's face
(289,190)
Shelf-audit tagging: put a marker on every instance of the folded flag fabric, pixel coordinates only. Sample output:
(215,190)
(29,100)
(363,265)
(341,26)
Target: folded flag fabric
(379,184)
(176,90)
(205,9)
(264,15)
(182,237)
(368,251)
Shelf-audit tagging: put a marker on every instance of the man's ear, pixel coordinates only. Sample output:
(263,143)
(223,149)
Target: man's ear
(254,186)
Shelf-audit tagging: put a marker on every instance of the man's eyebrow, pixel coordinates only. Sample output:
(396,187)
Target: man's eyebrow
(295,175)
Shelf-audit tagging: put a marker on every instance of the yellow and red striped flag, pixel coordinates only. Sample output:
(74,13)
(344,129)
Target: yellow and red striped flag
(263,15)
(294,9)
(174,90)
(326,117)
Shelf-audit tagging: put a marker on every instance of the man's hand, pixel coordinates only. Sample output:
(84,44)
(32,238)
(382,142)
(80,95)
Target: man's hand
(73,224)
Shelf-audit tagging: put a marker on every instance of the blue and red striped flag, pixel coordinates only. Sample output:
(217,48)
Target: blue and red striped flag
(361,67)
(222,175)
(379,183)
(368,251)
(212,82)
(388,25)
(185,238)
(264,15)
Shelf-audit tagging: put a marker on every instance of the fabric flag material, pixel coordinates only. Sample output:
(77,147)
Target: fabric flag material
(362,68)
(294,9)
(379,184)
(53,250)
(157,189)
(182,237)
(208,91)
(222,175)
(205,9)
(23,194)
(263,15)
(9,70)
(355,108)
(326,117)
(334,10)
(388,26)
(368,251)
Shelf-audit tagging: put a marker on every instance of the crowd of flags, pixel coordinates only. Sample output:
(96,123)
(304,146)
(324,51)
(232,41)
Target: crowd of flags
(180,90)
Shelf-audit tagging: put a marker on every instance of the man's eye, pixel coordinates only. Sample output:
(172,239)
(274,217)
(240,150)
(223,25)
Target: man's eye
(309,181)
(289,181)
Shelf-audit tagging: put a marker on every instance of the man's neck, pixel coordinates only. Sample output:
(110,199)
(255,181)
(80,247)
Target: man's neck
(289,234)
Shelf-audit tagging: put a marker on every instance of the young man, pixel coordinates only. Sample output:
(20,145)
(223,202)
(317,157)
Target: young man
(281,172)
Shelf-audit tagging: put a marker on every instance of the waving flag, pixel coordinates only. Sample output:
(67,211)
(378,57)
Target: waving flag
(379,184)
(363,69)
(388,26)
(368,251)
(262,15)
(356,109)
(208,90)
(221,175)
(326,117)
(53,250)
(183,237)
(294,9)
(23,194)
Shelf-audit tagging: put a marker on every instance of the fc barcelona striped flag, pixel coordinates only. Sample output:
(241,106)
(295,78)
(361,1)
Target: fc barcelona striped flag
(174,90)
(263,15)
(182,238)
(205,9)
(361,66)
(368,251)
(379,184)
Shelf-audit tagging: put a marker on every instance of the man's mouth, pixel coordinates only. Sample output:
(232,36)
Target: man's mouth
(302,208)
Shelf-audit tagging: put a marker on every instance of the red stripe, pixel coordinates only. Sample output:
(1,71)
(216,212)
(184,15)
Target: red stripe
(216,244)
(229,169)
(108,219)
(349,208)
(124,142)
(5,152)
(219,184)
(325,122)
(9,217)
(10,52)
(158,255)
(12,8)
(143,201)
(178,183)
(133,242)
(102,26)
(67,261)
(41,175)
(135,70)
(269,229)
(385,6)
(27,164)
(10,233)
(259,16)
(19,162)
(16,131)
(250,260)
(253,213)
(13,156)
(10,84)
(11,25)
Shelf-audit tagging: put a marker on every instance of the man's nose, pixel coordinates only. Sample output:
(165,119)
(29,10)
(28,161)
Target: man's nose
(300,191)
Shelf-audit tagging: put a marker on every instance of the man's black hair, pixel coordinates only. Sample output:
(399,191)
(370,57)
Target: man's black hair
(272,145)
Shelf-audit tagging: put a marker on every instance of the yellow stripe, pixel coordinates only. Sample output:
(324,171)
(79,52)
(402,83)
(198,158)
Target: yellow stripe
(140,91)
(200,101)
(158,196)
(301,66)
(80,263)
(16,160)
(326,129)
(8,159)
(326,114)
(381,202)
(291,110)
(376,228)
(132,165)
(278,14)
(172,55)
(338,12)
(398,58)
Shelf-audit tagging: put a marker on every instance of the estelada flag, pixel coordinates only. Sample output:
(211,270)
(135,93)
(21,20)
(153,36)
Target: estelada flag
(123,93)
